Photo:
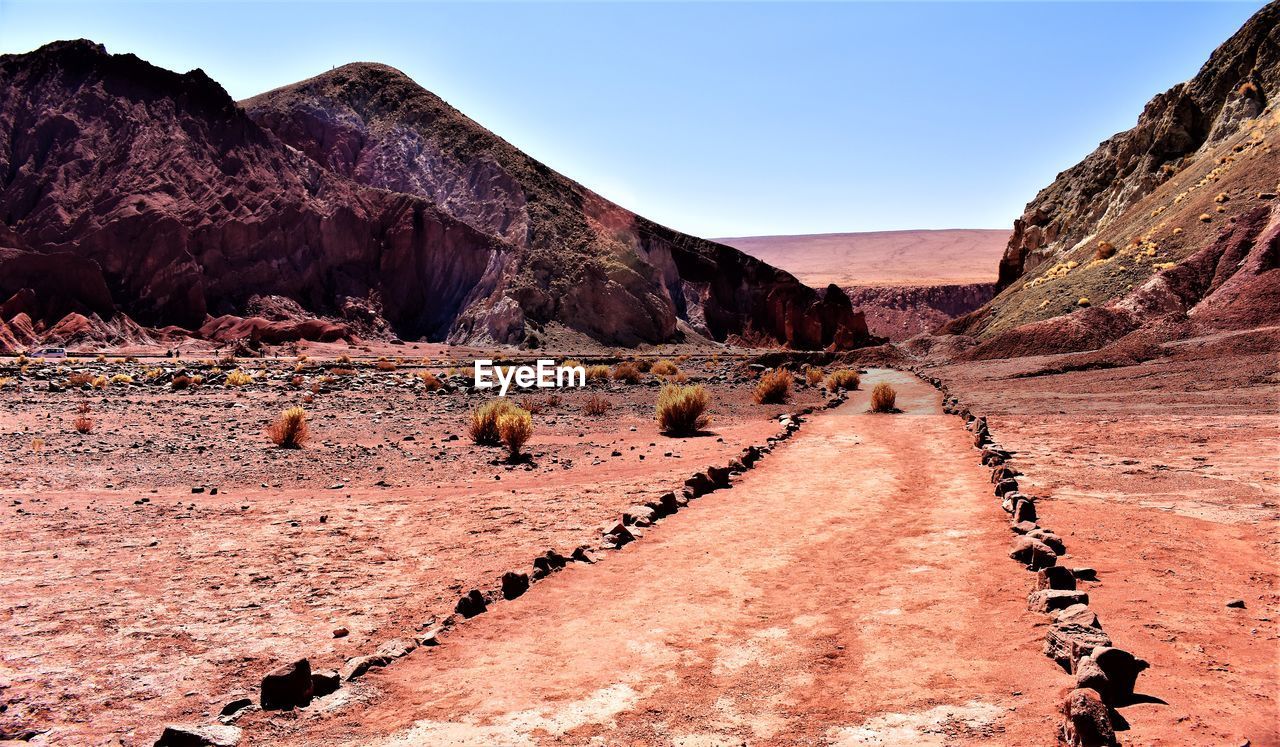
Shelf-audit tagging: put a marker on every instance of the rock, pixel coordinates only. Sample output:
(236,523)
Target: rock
(1236,604)
(1087,722)
(1055,577)
(472,603)
(340,632)
(205,735)
(1022,527)
(1025,510)
(617,534)
(1089,675)
(700,484)
(1054,542)
(325,683)
(1085,574)
(514,583)
(235,706)
(1066,643)
(396,648)
(639,515)
(1007,485)
(288,686)
(431,637)
(1077,614)
(357,666)
(1048,600)
(546,564)
(1122,669)
(1033,553)
(583,555)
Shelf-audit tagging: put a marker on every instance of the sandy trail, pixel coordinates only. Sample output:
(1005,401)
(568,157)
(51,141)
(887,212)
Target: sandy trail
(853,589)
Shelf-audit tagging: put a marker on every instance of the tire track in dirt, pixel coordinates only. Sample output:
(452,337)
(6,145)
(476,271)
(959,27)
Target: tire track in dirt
(853,589)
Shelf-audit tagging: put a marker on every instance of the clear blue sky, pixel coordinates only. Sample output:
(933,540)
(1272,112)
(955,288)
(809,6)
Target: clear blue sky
(724,119)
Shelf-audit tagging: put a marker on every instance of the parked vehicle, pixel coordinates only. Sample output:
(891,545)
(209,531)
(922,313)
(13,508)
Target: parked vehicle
(51,353)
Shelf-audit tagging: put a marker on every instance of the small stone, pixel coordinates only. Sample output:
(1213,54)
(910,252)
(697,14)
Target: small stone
(341,632)
(325,683)
(471,604)
(1048,600)
(236,706)
(1236,604)
(1023,527)
(1055,577)
(356,667)
(514,583)
(189,735)
(396,648)
(1054,542)
(1033,553)
(1087,722)
(1122,669)
(1077,614)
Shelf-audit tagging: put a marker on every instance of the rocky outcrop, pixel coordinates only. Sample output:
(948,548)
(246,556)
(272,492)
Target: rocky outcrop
(1239,81)
(898,312)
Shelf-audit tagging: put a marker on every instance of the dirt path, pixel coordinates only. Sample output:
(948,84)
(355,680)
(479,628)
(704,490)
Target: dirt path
(853,589)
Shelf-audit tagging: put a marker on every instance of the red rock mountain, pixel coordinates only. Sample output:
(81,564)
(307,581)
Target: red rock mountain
(1168,230)
(356,196)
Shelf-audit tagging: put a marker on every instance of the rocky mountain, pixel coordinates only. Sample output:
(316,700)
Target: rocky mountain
(357,199)
(1166,230)
(899,312)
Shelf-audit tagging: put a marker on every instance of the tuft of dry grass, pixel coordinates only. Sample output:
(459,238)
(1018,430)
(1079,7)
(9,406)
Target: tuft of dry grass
(595,373)
(238,378)
(774,387)
(290,431)
(1104,250)
(813,375)
(79,379)
(884,398)
(385,365)
(664,367)
(180,382)
(83,423)
(682,410)
(627,372)
(100,382)
(121,379)
(484,421)
(515,428)
(844,378)
(343,371)
(596,405)
(430,380)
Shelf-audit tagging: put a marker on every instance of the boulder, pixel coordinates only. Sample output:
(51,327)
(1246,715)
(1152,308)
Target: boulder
(1048,600)
(547,563)
(325,683)
(1049,538)
(1066,643)
(1087,721)
(719,476)
(514,583)
(357,666)
(1122,669)
(1077,614)
(617,534)
(1007,485)
(1055,577)
(1025,510)
(1033,553)
(472,603)
(641,516)
(1022,527)
(287,686)
(396,648)
(203,735)
(700,484)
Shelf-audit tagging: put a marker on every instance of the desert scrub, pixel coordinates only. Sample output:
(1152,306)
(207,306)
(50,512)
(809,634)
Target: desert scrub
(385,365)
(844,378)
(597,373)
(121,379)
(884,398)
(1104,250)
(484,421)
(180,382)
(515,428)
(430,380)
(596,405)
(79,379)
(100,382)
(682,410)
(774,387)
(290,431)
(627,373)
(664,367)
(83,424)
(813,375)
(238,378)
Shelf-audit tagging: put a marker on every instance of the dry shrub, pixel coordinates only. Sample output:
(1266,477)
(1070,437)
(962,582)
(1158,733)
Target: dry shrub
(384,365)
(484,421)
(100,382)
(290,431)
(1104,250)
(6,381)
(532,405)
(344,359)
(308,398)
(180,382)
(884,398)
(844,378)
(596,405)
(573,363)
(774,387)
(430,380)
(682,410)
(642,365)
(238,378)
(343,371)
(597,372)
(79,379)
(296,381)
(813,375)
(83,423)
(121,379)
(515,428)
(664,368)
(627,373)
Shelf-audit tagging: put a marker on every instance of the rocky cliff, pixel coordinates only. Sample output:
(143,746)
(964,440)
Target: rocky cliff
(132,190)
(1181,208)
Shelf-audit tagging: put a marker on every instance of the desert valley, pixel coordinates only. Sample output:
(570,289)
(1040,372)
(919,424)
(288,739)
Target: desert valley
(946,487)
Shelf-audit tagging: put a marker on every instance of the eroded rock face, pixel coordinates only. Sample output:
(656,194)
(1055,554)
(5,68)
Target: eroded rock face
(1237,83)
(579,259)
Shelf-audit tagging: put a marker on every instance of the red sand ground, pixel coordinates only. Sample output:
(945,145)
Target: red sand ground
(1165,477)
(121,616)
(853,589)
(908,258)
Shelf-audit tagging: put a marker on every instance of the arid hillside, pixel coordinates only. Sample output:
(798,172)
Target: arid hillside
(905,282)
(355,203)
(1167,230)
